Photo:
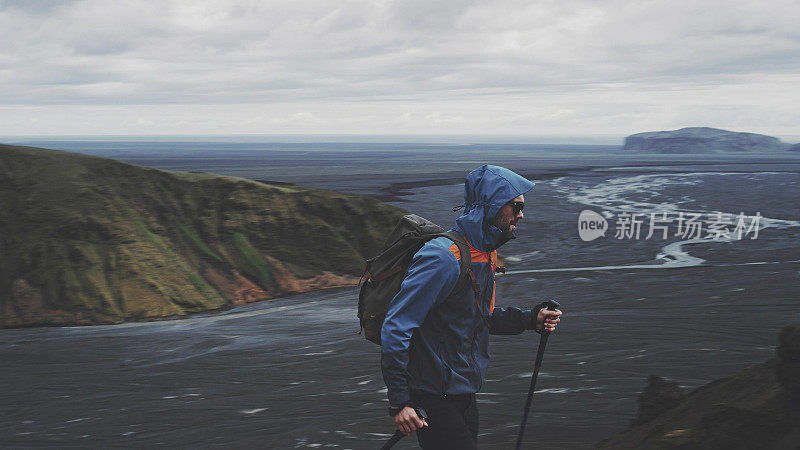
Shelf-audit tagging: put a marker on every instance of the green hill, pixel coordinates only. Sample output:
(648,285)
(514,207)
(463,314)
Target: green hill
(757,408)
(87,240)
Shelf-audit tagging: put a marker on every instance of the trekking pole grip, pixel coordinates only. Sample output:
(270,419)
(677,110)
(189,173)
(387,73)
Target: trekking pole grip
(399,434)
(551,305)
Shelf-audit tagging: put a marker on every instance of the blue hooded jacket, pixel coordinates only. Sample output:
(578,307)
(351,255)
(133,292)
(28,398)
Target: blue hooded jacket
(433,339)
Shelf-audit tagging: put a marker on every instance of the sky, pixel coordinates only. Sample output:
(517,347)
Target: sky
(416,67)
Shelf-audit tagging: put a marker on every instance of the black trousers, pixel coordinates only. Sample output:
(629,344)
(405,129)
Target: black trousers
(452,421)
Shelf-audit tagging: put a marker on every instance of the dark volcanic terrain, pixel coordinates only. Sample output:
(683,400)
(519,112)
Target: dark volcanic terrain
(293,373)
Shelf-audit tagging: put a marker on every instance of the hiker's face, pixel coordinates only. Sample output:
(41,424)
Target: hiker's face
(508,216)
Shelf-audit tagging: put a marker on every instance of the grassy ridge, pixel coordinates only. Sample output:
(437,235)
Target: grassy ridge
(758,407)
(92,240)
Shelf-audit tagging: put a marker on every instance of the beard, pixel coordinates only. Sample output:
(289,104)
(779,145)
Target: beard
(504,225)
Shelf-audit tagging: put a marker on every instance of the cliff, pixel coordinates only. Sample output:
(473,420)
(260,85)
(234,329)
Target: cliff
(702,140)
(88,240)
(756,408)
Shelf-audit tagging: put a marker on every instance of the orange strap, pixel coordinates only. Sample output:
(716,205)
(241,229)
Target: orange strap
(479,256)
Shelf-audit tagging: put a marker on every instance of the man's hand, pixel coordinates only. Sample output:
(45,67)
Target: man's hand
(548,319)
(407,420)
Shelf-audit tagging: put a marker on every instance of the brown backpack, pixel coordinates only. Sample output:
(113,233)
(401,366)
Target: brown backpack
(385,273)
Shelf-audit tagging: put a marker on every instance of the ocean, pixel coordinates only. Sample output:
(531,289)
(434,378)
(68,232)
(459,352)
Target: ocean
(292,372)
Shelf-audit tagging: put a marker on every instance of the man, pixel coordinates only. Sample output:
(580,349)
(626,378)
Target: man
(435,340)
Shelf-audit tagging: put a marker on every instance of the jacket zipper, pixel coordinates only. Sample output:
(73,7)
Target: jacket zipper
(475,336)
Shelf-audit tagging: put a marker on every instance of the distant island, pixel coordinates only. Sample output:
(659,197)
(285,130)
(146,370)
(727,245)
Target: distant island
(89,240)
(704,140)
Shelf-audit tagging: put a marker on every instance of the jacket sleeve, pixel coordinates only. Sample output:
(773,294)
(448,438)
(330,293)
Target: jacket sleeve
(513,320)
(431,277)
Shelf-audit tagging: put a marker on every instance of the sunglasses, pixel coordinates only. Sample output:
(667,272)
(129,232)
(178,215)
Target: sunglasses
(517,207)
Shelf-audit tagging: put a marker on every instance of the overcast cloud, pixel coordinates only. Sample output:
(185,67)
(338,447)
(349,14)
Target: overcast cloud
(396,67)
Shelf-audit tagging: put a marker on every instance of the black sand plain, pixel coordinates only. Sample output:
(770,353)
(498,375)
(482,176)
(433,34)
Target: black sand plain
(292,373)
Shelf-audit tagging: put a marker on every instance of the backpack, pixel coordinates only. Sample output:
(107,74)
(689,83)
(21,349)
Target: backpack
(385,273)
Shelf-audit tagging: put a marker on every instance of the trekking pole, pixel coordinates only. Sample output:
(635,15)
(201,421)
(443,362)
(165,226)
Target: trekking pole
(551,305)
(399,434)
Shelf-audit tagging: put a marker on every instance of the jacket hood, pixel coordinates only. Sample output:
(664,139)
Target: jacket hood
(486,190)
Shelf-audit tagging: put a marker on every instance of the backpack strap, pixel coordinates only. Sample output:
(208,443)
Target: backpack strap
(466,276)
(465,263)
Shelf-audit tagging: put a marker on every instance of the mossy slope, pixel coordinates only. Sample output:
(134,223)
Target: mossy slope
(88,240)
(757,408)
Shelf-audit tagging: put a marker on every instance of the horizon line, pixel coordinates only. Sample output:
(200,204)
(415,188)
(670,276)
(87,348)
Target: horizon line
(575,139)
